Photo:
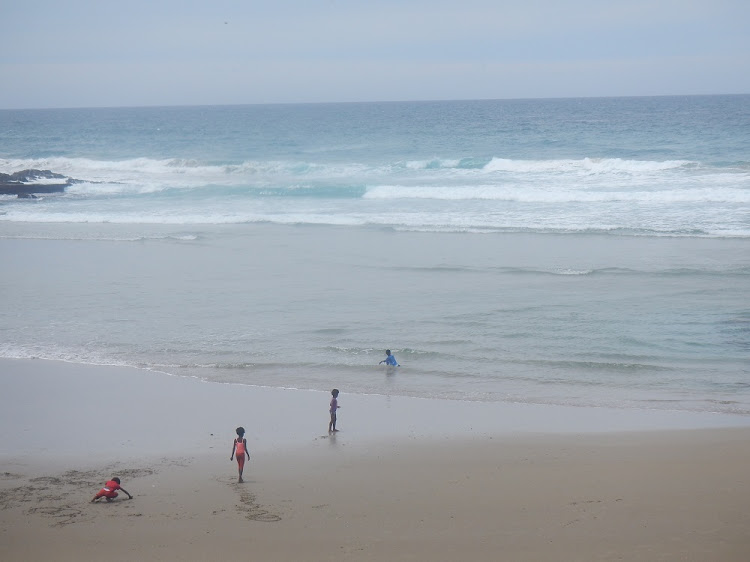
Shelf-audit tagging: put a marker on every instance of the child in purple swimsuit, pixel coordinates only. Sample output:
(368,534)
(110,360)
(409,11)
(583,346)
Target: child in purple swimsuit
(334,407)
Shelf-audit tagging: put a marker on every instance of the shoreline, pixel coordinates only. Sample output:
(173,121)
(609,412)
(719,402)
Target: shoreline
(199,413)
(404,479)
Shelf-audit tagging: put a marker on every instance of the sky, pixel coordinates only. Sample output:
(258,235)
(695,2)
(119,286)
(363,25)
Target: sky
(102,53)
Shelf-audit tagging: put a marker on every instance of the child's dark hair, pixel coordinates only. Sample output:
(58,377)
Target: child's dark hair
(115,479)
(335,392)
(387,351)
(240,431)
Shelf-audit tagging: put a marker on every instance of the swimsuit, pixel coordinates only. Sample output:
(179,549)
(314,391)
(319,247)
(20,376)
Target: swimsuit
(239,452)
(109,490)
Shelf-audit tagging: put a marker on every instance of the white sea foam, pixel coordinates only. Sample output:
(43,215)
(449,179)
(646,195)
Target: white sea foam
(586,165)
(612,218)
(183,173)
(573,271)
(560,194)
(188,169)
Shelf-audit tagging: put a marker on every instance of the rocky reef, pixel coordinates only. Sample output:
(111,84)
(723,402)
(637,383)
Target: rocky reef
(27,183)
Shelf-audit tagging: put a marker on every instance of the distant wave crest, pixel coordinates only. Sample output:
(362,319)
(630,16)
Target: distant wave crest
(585,165)
(191,172)
(463,194)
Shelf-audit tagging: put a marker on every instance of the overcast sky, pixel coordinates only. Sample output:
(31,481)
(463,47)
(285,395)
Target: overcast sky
(91,53)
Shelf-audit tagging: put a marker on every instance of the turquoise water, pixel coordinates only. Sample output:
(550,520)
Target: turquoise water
(589,252)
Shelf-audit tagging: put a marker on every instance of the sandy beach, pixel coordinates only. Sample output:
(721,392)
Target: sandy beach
(404,479)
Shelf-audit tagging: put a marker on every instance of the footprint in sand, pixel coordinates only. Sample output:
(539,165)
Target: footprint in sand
(250,508)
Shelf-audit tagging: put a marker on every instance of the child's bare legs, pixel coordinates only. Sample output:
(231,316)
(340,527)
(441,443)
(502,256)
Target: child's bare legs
(240,468)
(332,424)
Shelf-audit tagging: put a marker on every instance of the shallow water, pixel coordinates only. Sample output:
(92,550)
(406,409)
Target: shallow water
(607,321)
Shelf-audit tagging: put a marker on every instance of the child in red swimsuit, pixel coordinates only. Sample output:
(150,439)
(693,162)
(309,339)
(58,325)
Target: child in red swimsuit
(239,448)
(109,492)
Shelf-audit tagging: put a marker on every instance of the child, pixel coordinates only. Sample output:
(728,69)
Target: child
(240,450)
(389,360)
(334,407)
(109,492)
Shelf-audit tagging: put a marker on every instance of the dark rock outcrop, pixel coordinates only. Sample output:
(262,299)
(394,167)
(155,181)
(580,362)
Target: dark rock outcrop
(26,183)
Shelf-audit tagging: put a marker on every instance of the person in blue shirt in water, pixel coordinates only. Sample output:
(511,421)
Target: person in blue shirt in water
(389,359)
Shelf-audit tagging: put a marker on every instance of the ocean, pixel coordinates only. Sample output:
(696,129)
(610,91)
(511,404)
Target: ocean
(580,252)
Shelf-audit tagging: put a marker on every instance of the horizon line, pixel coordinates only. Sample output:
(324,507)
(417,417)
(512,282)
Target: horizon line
(404,101)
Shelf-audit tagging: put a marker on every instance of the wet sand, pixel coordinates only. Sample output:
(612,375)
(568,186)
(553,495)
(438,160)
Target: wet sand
(403,479)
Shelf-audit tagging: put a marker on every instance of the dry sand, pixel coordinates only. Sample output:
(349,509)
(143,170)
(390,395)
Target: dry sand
(369,492)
